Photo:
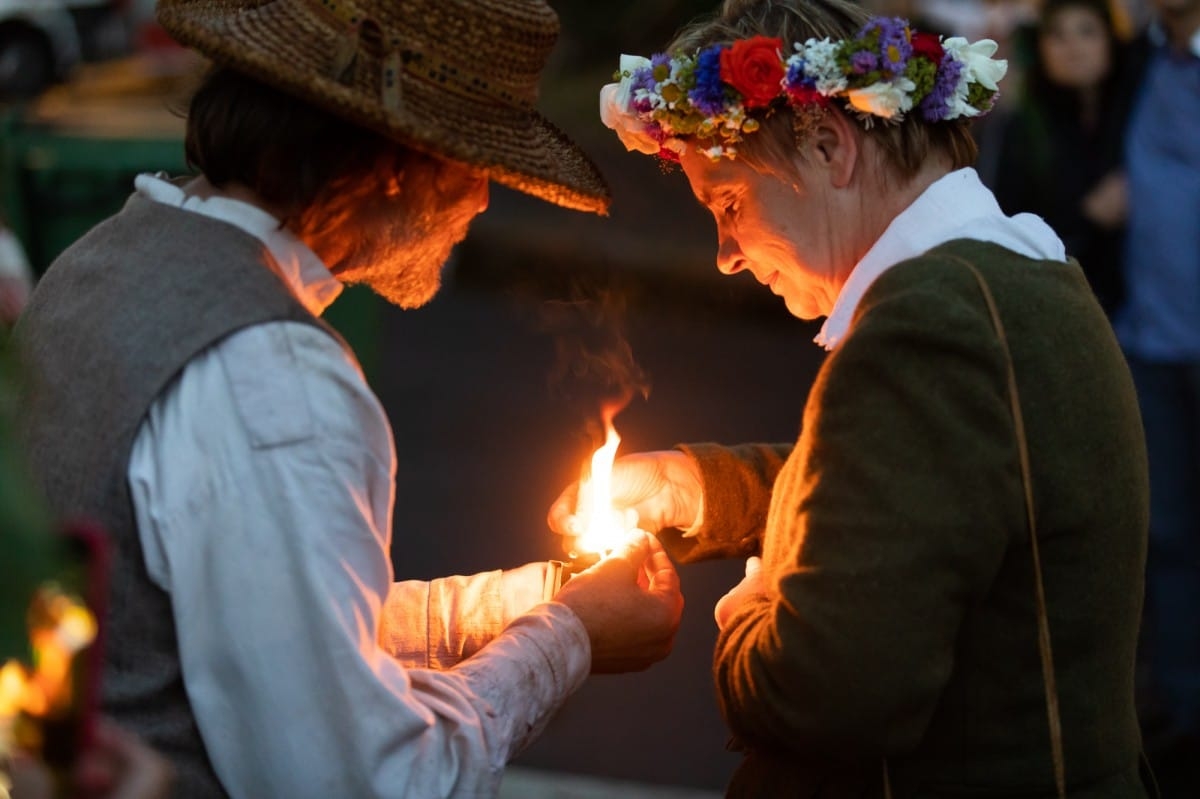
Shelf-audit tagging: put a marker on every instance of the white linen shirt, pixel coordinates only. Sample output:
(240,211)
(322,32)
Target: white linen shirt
(262,486)
(955,206)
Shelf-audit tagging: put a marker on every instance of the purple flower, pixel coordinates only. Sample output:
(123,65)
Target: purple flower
(895,48)
(936,105)
(643,78)
(864,61)
(708,95)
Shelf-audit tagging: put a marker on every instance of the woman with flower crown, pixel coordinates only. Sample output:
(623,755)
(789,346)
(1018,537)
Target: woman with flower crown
(950,581)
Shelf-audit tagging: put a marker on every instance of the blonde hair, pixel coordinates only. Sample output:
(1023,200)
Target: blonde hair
(903,146)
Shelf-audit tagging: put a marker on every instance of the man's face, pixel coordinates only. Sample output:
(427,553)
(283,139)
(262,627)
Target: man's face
(397,238)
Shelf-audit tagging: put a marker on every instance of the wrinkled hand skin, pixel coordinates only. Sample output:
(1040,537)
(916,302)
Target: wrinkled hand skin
(661,489)
(630,604)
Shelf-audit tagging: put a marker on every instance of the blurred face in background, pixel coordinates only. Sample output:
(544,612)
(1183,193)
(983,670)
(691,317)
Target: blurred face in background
(1074,46)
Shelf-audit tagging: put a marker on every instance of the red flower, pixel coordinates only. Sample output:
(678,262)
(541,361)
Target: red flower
(803,95)
(927,44)
(754,68)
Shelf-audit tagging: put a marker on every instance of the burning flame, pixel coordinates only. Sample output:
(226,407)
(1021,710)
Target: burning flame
(60,627)
(602,527)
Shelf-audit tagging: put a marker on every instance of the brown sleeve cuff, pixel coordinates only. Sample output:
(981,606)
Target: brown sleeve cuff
(737,494)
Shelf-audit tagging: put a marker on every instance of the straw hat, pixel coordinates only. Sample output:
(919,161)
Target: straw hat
(457,78)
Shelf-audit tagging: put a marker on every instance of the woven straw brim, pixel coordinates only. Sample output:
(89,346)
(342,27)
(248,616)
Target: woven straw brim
(274,42)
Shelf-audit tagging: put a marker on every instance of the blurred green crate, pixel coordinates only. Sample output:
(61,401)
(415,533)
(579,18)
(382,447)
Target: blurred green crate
(55,186)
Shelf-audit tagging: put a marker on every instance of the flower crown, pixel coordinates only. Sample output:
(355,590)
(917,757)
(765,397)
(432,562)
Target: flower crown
(717,94)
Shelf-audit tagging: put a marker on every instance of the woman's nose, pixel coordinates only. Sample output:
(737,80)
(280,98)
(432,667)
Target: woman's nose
(730,259)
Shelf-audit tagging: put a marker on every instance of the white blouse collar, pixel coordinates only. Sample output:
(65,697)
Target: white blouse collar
(308,278)
(956,206)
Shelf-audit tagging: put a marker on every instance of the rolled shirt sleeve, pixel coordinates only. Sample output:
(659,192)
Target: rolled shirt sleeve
(262,485)
(438,623)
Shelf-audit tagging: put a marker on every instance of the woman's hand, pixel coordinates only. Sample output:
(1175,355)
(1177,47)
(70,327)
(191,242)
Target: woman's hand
(750,586)
(629,603)
(663,488)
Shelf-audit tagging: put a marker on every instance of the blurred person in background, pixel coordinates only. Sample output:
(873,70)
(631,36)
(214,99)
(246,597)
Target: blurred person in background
(1159,329)
(1061,144)
(16,278)
(958,495)
(184,394)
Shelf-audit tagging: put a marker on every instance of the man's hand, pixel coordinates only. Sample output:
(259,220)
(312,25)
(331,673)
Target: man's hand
(750,586)
(663,488)
(630,605)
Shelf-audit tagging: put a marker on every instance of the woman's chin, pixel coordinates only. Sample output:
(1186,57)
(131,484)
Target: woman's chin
(804,308)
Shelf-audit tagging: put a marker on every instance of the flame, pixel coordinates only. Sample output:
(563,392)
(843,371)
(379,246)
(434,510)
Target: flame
(60,627)
(602,526)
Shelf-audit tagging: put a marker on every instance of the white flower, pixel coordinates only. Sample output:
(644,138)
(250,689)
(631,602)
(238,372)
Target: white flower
(885,99)
(977,61)
(735,115)
(716,152)
(959,107)
(630,64)
(820,64)
(619,115)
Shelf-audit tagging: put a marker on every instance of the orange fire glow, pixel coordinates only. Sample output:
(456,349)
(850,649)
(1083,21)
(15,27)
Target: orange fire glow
(60,627)
(602,527)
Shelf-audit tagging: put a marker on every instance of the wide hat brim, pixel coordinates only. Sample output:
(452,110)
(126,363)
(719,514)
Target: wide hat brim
(274,41)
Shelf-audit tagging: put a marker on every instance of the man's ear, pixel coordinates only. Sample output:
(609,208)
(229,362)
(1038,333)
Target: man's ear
(834,146)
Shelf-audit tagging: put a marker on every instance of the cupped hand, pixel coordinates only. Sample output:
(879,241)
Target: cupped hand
(664,489)
(752,585)
(629,603)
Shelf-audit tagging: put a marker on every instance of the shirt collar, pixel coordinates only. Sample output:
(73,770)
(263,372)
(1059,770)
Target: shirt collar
(305,275)
(956,206)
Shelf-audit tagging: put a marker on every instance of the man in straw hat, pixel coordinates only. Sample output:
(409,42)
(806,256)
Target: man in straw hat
(185,394)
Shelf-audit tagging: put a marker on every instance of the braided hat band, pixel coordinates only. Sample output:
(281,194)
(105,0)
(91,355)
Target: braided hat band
(454,78)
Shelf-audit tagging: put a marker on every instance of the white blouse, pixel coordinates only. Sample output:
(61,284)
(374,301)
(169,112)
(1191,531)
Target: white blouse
(956,206)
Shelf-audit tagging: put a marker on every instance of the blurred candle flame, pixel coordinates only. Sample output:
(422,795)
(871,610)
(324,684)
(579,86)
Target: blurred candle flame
(60,627)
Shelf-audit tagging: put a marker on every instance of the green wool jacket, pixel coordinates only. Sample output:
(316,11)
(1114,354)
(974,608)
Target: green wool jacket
(900,623)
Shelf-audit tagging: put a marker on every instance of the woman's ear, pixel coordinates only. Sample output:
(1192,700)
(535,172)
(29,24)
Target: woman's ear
(834,146)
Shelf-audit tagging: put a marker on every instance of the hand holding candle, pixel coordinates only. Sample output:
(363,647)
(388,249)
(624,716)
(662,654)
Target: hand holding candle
(629,603)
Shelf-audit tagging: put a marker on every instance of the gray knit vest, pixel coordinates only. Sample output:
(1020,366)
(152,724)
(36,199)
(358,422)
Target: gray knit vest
(112,322)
